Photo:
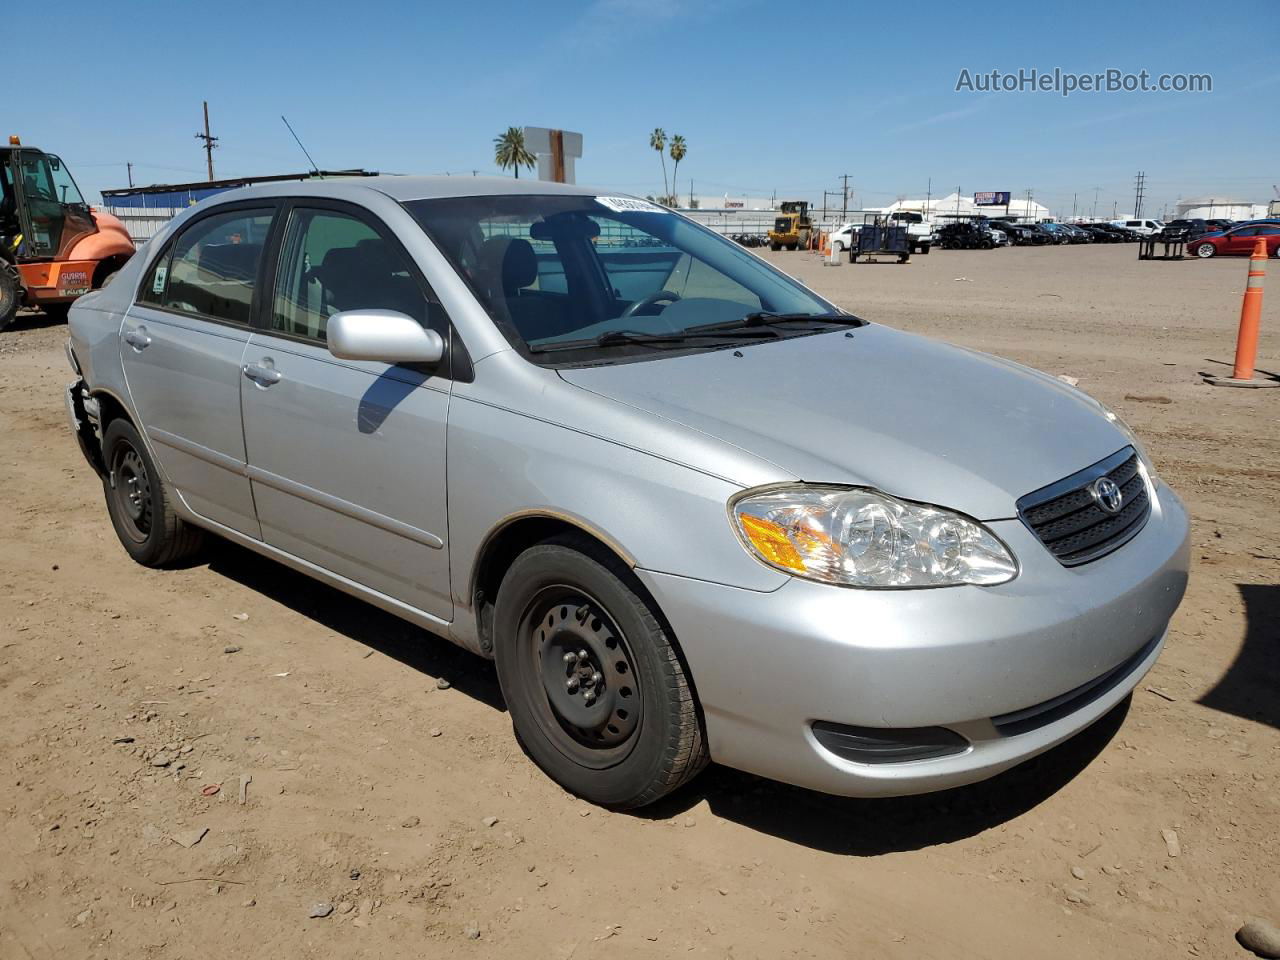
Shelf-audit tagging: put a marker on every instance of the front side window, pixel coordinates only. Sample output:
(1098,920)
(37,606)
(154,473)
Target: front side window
(556,270)
(213,268)
(332,262)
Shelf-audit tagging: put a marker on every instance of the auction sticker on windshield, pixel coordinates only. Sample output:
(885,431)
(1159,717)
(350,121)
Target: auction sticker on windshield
(629,205)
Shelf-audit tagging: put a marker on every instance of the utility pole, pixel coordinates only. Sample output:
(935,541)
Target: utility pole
(844,206)
(1113,208)
(1073,206)
(1095,202)
(691,193)
(130,168)
(927,212)
(1139,191)
(210,141)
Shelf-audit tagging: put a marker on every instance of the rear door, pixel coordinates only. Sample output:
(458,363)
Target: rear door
(181,349)
(347,457)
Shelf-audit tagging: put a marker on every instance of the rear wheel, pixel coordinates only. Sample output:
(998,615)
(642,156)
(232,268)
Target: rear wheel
(139,502)
(775,246)
(1205,251)
(597,692)
(10,293)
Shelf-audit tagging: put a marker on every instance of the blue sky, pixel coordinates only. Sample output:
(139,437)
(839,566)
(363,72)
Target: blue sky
(770,96)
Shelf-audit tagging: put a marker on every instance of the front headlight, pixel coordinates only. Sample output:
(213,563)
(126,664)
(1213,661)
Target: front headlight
(860,538)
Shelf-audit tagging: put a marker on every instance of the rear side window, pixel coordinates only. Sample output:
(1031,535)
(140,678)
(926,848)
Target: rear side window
(212,268)
(332,262)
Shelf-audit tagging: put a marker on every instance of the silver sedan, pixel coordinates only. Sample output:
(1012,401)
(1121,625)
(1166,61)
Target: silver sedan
(691,509)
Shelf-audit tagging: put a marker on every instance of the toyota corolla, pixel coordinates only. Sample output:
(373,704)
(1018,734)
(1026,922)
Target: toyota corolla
(693,510)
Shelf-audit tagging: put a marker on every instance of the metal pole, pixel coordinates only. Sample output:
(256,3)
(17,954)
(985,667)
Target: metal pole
(208,141)
(130,166)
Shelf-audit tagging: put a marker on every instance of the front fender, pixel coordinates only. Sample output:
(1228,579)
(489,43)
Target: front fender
(111,240)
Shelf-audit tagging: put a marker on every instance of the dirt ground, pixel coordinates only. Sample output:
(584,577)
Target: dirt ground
(372,789)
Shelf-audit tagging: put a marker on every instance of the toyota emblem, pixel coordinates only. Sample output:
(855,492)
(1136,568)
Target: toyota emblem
(1107,494)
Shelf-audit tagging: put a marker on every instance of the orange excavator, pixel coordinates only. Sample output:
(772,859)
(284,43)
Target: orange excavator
(54,247)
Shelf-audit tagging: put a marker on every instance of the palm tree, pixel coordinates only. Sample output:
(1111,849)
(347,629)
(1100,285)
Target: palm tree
(658,140)
(509,151)
(678,149)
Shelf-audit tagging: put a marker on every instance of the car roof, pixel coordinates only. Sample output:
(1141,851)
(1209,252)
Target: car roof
(411,188)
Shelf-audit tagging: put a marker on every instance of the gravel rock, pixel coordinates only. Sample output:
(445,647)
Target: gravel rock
(1078,872)
(1261,937)
(231,648)
(411,822)
(346,906)
(471,932)
(161,760)
(443,684)
(490,821)
(1171,843)
(320,910)
(436,731)
(354,874)
(1076,896)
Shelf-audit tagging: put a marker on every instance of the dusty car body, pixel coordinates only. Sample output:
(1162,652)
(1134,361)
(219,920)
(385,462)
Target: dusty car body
(724,519)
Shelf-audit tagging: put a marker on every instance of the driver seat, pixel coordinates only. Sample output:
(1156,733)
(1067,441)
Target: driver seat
(508,267)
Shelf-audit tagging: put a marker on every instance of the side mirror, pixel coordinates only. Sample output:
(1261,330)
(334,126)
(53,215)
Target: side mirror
(383,335)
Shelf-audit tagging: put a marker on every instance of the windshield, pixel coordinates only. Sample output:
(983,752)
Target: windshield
(45,177)
(556,270)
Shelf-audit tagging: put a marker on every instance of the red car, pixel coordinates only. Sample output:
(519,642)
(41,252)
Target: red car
(1238,241)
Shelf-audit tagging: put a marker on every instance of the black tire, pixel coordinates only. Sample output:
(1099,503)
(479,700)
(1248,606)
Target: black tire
(139,503)
(10,293)
(624,729)
(925,249)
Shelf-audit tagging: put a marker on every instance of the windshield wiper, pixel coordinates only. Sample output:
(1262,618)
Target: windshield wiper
(618,338)
(764,317)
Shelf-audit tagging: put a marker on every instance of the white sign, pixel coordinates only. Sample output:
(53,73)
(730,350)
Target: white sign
(629,205)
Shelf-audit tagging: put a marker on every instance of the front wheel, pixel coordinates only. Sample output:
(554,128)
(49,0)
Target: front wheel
(775,246)
(139,502)
(598,695)
(1205,251)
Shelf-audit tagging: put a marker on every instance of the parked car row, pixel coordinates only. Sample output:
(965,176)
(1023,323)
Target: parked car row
(1239,240)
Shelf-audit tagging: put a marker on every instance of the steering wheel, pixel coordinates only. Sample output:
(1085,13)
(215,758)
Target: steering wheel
(660,296)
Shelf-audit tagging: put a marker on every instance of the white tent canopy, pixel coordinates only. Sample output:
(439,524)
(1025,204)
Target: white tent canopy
(956,204)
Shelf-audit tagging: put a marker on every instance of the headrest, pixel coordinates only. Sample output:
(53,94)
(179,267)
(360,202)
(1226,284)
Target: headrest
(512,259)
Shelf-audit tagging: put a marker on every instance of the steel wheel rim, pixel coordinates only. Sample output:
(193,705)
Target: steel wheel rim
(131,488)
(581,676)
(1205,251)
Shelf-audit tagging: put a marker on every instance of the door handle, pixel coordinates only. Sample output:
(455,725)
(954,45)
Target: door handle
(138,338)
(263,376)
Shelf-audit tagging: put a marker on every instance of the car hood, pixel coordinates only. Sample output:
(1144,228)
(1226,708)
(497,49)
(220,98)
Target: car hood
(877,407)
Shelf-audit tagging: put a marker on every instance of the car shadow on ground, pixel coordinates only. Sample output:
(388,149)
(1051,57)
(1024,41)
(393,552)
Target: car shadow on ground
(865,828)
(834,824)
(357,620)
(32,320)
(1249,687)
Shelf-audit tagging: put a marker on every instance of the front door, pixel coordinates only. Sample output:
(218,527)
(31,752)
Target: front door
(182,346)
(347,458)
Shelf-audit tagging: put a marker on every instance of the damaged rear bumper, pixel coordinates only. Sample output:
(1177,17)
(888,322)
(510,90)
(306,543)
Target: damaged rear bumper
(83,412)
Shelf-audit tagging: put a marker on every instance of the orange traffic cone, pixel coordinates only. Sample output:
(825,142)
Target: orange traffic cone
(1250,321)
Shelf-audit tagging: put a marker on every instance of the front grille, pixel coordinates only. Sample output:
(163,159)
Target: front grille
(1067,518)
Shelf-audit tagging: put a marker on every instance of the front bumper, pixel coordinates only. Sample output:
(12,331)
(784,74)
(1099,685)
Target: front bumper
(978,661)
